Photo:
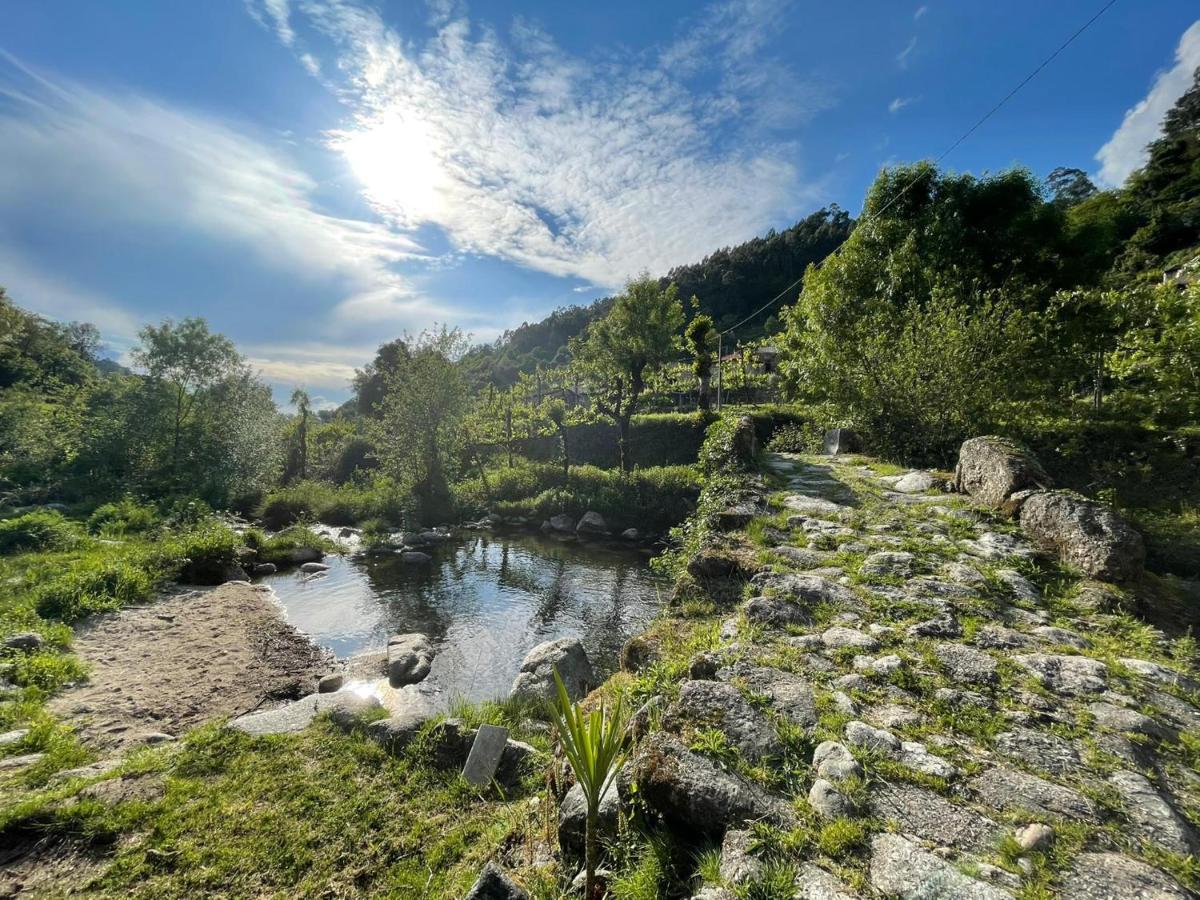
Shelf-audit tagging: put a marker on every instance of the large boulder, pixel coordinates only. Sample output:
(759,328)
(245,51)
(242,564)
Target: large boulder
(1101,876)
(592,523)
(693,792)
(493,884)
(409,659)
(562,524)
(572,816)
(1087,535)
(841,440)
(902,868)
(991,469)
(344,709)
(722,705)
(535,681)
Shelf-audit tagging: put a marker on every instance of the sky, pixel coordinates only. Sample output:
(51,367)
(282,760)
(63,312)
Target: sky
(317,177)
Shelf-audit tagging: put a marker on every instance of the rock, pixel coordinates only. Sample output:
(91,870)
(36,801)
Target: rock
(943,626)
(572,817)
(839,637)
(298,715)
(91,770)
(963,663)
(1161,674)
(834,762)
(300,555)
(24,642)
(860,734)
(631,534)
(561,523)
(640,651)
(21,762)
(800,558)
(703,667)
(1118,718)
(931,817)
(776,611)
(13,737)
(1001,638)
(738,515)
(745,442)
(723,706)
(739,864)
(396,732)
(1040,750)
(1105,876)
(1152,817)
(994,546)
(261,569)
(957,699)
(1034,837)
(814,883)
(1062,636)
(888,563)
(884,665)
(893,715)
(592,523)
(808,505)
(914,482)
(841,440)
(1007,789)
(826,800)
(535,681)
(696,794)
(331,682)
(154,738)
(415,557)
(409,659)
(789,694)
(1087,535)
(915,756)
(1022,587)
(1072,675)
(311,567)
(493,884)
(900,868)
(991,469)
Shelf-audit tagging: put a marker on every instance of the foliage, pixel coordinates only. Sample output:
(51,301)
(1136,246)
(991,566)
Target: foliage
(725,444)
(333,504)
(124,516)
(700,338)
(594,743)
(420,417)
(42,529)
(639,334)
(94,585)
(797,438)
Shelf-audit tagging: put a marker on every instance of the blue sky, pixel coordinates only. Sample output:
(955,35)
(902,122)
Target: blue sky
(318,176)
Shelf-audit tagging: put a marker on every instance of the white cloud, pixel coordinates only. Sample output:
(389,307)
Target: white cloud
(310,63)
(594,169)
(899,103)
(921,10)
(903,55)
(1125,151)
(127,161)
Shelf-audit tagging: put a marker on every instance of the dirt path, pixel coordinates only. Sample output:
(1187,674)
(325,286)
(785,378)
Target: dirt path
(184,660)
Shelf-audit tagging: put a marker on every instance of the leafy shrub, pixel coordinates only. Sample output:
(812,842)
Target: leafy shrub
(727,446)
(203,554)
(278,548)
(797,438)
(92,586)
(124,516)
(42,529)
(334,504)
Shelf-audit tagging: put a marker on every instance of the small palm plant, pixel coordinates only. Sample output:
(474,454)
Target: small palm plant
(594,744)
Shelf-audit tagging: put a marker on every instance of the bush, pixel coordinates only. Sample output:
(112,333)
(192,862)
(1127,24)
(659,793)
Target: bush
(125,516)
(42,529)
(729,446)
(651,500)
(334,504)
(203,554)
(278,548)
(93,586)
(801,438)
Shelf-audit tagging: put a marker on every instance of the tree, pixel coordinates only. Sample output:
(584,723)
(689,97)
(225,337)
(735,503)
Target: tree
(370,382)
(298,463)
(1069,187)
(701,341)
(419,417)
(556,412)
(186,360)
(639,334)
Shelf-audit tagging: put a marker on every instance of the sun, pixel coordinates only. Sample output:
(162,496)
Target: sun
(396,160)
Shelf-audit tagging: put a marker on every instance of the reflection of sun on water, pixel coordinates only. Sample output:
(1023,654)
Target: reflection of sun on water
(396,160)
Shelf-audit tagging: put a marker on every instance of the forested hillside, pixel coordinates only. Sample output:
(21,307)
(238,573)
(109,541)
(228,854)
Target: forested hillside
(729,284)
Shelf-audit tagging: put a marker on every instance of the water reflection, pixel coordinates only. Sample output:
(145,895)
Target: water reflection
(485,602)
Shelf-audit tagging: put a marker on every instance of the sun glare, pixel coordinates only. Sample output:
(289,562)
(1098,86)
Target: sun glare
(396,161)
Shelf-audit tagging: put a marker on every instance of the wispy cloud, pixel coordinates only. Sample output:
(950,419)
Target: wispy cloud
(589,168)
(920,11)
(276,15)
(903,55)
(1125,151)
(899,103)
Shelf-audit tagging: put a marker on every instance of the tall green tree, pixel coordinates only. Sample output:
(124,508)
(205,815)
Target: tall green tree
(639,334)
(420,417)
(701,341)
(298,458)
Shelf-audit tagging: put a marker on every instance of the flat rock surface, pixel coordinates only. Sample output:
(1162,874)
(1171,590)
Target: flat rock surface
(184,660)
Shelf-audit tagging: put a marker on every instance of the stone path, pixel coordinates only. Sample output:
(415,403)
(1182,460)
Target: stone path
(971,710)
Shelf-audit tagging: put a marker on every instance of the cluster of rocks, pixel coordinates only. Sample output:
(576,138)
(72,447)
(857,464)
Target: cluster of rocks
(953,712)
(590,526)
(413,547)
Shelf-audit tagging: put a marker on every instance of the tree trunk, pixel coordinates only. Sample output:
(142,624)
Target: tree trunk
(591,849)
(1098,382)
(623,444)
(562,440)
(705,391)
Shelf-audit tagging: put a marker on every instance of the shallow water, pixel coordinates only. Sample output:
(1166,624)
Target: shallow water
(484,602)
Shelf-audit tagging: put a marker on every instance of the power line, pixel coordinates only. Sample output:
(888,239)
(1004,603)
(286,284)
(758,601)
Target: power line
(954,146)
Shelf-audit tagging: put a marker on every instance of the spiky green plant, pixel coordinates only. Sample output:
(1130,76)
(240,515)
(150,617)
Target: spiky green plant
(594,744)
